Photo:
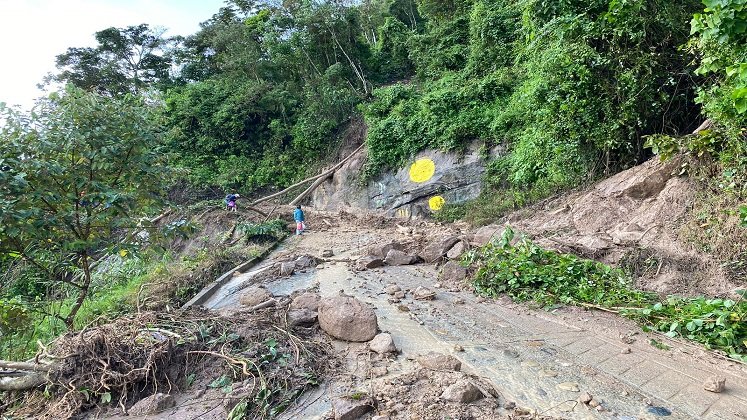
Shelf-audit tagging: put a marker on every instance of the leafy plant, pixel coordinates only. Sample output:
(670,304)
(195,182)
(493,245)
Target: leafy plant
(263,232)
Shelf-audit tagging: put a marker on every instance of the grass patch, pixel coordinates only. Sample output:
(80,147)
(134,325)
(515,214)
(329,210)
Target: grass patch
(527,272)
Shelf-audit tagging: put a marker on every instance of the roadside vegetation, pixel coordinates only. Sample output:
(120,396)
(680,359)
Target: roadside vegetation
(524,271)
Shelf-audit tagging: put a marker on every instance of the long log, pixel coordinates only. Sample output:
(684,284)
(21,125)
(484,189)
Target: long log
(31,367)
(311,189)
(313,178)
(32,380)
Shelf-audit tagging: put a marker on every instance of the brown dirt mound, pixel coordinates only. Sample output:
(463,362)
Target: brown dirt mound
(632,219)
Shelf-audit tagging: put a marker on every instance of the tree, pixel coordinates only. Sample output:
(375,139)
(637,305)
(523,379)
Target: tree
(77,175)
(126,60)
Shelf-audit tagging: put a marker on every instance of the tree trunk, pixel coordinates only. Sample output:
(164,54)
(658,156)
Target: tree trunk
(82,293)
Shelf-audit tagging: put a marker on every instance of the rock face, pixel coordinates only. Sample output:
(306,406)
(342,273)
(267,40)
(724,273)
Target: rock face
(351,409)
(456,178)
(382,343)
(438,361)
(438,249)
(463,392)
(152,405)
(368,262)
(254,296)
(395,257)
(347,319)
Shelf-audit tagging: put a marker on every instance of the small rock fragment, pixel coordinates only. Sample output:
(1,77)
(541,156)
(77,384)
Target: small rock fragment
(382,343)
(423,293)
(438,361)
(584,398)
(593,403)
(254,296)
(458,348)
(302,317)
(399,295)
(568,386)
(287,268)
(396,257)
(369,262)
(327,253)
(152,404)
(379,371)
(347,408)
(715,384)
(391,289)
(626,350)
(462,392)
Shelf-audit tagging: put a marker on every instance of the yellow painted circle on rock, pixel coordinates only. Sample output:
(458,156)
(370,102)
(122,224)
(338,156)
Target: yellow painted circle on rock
(422,170)
(436,203)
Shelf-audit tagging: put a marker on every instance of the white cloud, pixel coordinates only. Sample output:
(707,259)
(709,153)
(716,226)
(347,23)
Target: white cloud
(33,32)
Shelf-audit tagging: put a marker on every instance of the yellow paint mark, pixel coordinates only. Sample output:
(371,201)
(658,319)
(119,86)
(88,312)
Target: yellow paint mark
(422,170)
(436,203)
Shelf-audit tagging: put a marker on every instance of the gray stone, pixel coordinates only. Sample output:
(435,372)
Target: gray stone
(486,234)
(302,317)
(399,294)
(327,253)
(391,289)
(715,384)
(347,318)
(381,250)
(437,249)
(254,296)
(423,293)
(457,250)
(351,409)
(585,398)
(568,386)
(306,300)
(453,272)
(369,262)
(463,392)
(287,268)
(396,257)
(439,361)
(152,405)
(306,261)
(382,343)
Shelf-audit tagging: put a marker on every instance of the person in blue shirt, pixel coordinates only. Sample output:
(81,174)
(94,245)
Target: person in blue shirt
(230,201)
(299,218)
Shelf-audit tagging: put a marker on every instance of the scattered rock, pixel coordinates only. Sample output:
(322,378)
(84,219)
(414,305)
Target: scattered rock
(396,257)
(382,343)
(457,250)
(626,350)
(568,386)
(510,405)
(381,250)
(152,405)
(306,300)
(593,403)
(453,272)
(485,234)
(438,361)
(459,301)
(379,371)
(584,398)
(403,308)
(391,289)
(302,317)
(287,268)
(437,249)
(659,411)
(715,384)
(254,296)
(399,295)
(306,261)
(511,353)
(347,318)
(423,293)
(458,348)
(327,253)
(462,392)
(350,409)
(369,262)
(480,299)
(547,373)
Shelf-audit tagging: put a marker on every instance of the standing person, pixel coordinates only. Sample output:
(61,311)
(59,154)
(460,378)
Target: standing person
(230,201)
(299,218)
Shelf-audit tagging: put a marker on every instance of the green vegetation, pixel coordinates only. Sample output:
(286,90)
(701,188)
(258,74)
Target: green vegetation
(263,232)
(524,271)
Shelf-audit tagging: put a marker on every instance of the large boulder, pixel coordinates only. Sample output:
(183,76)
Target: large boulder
(306,300)
(254,296)
(453,273)
(348,319)
(437,249)
(486,234)
(368,262)
(381,250)
(395,257)
(457,250)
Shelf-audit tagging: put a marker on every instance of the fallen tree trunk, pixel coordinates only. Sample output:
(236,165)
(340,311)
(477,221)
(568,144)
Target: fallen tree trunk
(21,383)
(313,178)
(311,189)
(27,366)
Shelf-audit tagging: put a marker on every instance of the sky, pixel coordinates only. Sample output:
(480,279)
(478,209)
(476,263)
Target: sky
(33,32)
